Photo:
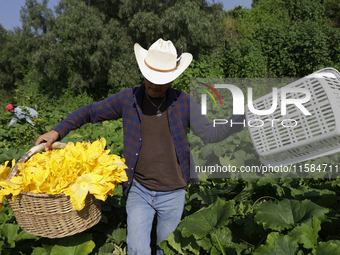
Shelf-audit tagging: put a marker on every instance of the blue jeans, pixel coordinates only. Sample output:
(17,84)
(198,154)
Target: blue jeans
(141,206)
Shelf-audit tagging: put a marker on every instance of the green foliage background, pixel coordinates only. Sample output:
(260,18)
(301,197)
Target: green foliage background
(83,52)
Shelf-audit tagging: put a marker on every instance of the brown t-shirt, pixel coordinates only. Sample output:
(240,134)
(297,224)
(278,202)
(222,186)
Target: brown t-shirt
(157,167)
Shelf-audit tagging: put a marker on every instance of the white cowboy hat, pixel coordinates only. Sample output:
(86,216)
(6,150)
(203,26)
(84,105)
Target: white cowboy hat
(161,64)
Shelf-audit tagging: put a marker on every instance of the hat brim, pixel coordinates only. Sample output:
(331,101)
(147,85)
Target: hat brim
(160,78)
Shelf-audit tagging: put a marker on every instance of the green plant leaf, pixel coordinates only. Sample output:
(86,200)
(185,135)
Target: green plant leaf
(219,150)
(307,235)
(6,214)
(207,150)
(241,157)
(119,235)
(324,197)
(40,251)
(80,244)
(9,231)
(225,161)
(174,240)
(265,181)
(250,226)
(215,251)
(222,238)
(180,244)
(104,219)
(80,249)
(205,243)
(336,182)
(278,244)
(167,250)
(2,243)
(23,235)
(107,248)
(327,248)
(207,196)
(230,187)
(190,244)
(13,234)
(247,192)
(287,213)
(207,219)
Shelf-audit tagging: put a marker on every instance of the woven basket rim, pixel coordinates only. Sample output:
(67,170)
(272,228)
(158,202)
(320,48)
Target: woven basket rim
(32,194)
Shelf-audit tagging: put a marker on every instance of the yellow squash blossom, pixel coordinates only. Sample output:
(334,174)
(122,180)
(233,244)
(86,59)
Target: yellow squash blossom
(5,170)
(87,183)
(76,170)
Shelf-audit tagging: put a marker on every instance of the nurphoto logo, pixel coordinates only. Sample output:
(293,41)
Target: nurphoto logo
(279,96)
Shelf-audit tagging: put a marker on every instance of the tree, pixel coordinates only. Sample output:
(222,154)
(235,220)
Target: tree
(84,54)
(36,18)
(294,48)
(332,10)
(195,26)
(90,48)
(13,58)
(303,10)
(192,24)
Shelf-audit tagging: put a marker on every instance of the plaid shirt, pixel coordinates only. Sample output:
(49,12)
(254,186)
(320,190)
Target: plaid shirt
(183,113)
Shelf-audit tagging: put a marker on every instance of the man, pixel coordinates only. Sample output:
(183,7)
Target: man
(22,113)
(156,119)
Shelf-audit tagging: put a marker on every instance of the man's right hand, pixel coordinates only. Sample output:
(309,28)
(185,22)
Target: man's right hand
(49,138)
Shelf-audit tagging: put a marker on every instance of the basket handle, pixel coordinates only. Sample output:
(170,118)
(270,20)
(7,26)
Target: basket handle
(30,153)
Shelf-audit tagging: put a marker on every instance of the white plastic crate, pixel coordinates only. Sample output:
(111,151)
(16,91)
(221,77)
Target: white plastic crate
(314,135)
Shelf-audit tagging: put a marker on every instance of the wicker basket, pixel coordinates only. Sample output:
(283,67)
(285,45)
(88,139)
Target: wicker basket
(51,216)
